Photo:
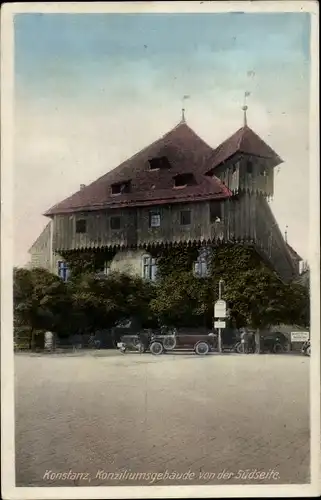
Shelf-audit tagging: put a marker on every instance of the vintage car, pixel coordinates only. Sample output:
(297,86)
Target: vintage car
(134,342)
(200,344)
(274,342)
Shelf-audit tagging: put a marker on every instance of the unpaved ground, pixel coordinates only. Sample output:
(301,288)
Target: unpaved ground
(101,413)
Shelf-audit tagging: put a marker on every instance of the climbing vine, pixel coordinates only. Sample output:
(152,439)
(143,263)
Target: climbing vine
(80,262)
(176,260)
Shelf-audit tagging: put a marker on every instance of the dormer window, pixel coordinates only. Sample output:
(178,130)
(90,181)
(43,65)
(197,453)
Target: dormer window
(160,163)
(183,180)
(120,188)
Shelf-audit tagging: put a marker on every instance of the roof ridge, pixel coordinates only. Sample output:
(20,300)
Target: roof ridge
(148,146)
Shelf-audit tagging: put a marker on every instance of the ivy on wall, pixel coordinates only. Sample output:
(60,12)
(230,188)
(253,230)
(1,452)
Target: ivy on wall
(176,260)
(253,291)
(224,260)
(80,262)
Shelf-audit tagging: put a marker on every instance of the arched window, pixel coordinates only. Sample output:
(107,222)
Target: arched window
(201,266)
(149,267)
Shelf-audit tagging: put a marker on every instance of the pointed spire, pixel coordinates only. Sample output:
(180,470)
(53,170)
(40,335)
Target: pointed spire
(183,120)
(245,108)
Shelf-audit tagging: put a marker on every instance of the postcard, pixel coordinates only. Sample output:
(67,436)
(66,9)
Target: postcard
(160,250)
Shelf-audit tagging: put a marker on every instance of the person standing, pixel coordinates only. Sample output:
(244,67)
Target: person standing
(245,340)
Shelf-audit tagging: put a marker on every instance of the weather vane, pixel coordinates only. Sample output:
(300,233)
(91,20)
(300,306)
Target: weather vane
(183,108)
(245,107)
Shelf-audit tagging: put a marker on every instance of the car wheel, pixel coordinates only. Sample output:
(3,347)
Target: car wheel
(169,342)
(156,348)
(202,348)
(239,348)
(278,348)
(308,351)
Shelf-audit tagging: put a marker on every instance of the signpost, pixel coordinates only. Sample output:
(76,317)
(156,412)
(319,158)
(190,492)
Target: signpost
(300,336)
(220,309)
(219,314)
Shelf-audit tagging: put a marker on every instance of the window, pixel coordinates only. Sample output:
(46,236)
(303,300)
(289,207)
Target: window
(120,187)
(215,212)
(201,266)
(149,268)
(115,223)
(154,219)
(63,270)
(185,217)
(249,167)
(182,180)
(81,226)
(159,163)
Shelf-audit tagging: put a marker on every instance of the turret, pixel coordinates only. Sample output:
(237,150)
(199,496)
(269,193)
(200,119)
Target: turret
(244,162)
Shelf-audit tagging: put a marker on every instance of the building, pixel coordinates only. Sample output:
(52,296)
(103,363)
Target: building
(177,191)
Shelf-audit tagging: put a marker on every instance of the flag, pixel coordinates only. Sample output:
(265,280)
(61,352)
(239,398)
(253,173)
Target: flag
(186,97)
(247,93)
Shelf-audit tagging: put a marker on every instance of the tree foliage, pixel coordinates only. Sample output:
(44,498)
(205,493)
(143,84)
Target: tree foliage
(81,305)
(254,293)
(40,300)
(101,303)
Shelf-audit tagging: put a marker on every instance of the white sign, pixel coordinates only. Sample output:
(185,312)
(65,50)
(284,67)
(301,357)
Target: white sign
(300,336)
(219,324)
(220,309)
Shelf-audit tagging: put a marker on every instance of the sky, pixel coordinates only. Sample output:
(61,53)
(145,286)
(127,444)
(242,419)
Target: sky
(93,89)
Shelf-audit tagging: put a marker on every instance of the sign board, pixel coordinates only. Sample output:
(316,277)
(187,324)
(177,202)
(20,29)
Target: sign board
(220,309)
(219,324)
(300,336)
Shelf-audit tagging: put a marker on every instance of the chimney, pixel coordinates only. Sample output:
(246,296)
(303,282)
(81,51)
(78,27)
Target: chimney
(82,186)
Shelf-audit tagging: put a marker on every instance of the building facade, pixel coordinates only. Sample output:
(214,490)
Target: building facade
(178,191)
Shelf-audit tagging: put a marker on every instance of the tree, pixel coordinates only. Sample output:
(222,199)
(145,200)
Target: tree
(264,300)
(255,295)
(184,300)
(101,303)
(40,300)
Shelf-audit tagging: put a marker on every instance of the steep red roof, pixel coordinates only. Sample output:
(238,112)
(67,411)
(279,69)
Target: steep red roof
(186,152)
(243,141)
